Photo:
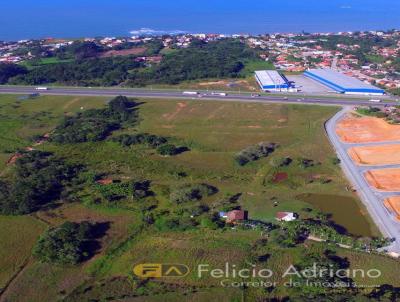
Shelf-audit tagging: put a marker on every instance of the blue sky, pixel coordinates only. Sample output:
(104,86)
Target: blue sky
(72,18)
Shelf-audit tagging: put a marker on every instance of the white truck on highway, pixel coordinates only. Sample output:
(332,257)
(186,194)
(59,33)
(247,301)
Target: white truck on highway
(219,93)
(42,88)
(190,93)
(375,101)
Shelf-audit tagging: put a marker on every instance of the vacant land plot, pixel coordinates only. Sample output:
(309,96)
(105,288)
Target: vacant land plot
(393,205)
(17,237)
(124,52)
(23,119)
(376,155)
(384,180)
(118,225)
(214,132)
(354,129)
(247,84)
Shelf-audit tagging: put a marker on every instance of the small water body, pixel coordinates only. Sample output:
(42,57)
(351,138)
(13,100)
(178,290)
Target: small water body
(344,211)
(76,18)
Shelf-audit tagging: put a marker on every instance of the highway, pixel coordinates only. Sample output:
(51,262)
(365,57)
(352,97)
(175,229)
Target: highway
(175,94)
(372,199)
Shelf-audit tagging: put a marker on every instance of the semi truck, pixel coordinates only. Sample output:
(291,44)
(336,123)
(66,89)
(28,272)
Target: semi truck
(219,93)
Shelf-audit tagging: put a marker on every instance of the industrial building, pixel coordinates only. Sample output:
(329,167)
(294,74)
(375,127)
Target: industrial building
(271,80)
(342,83)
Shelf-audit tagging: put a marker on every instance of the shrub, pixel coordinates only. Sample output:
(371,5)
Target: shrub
(119,190)
(191,193)
(153,141)
(114,191)
(281,162)
(173,223)
(254,153)
(168,150)
(40,177)
(66,244)
(336,161)
(306,163)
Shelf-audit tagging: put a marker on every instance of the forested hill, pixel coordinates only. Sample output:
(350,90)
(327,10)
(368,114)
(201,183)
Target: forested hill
(220,59)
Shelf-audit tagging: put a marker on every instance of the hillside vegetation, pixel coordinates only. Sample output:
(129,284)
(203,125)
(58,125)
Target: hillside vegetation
(86,67)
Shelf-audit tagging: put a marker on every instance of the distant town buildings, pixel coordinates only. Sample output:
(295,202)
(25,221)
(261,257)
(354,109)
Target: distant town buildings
(288,52)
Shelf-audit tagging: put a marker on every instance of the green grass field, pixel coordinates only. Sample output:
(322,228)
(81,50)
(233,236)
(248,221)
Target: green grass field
(214,132)
(45,61)
(17,237)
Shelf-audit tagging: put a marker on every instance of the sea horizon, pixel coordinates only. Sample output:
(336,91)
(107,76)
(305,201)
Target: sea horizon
(74,19)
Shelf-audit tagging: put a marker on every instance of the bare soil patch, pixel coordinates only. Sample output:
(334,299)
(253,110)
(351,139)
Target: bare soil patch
(124,52)
(393,205)
(387,180)
(376,155)
(367,130)
(179,108)
(279,177)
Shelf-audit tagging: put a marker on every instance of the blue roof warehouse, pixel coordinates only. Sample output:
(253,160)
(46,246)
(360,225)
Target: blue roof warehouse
(271,80)
(342,83)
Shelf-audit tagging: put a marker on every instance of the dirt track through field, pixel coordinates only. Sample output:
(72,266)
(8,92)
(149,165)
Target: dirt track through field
(179,108)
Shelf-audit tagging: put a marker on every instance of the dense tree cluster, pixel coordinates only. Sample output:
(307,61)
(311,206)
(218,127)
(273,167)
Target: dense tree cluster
(70,243)
(151,140)
(324,264)
(290,235)
(84,72)
(255,152)
(95,124)
(219,59)
(40,177)
(8,71)
(170,150)
(224,58)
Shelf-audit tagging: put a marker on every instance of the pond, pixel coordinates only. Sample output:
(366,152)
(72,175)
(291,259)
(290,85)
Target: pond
(345,211)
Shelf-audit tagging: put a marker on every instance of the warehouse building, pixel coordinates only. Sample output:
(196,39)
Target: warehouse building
(271,80)
(342,83)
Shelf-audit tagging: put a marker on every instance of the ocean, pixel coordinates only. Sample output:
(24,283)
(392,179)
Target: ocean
(25,19)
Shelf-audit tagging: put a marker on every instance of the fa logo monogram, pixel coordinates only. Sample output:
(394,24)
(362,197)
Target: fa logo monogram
(160,270)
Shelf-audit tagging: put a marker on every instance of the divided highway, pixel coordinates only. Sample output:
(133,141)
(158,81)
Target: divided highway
(169,94)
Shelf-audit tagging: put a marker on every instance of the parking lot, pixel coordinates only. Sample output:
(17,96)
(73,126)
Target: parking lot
(307,85)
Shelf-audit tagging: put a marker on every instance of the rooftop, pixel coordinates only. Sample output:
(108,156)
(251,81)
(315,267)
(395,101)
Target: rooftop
(270,77)
(339,79)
